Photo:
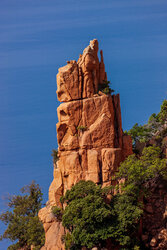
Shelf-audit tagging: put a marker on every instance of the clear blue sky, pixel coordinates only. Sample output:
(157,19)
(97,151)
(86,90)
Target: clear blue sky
(36,38)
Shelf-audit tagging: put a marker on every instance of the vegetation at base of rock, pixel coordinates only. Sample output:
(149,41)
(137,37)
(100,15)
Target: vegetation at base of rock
(162,116)
(155,128)
(81,128)
(87,216)
(67,239)
(137,171)
(55,155)
(22,220)
(105,88)
(91,217)
(139,133)
(57,211)
(136,174)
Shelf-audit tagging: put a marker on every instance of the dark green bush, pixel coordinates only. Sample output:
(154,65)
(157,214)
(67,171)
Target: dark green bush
(91,217)
(22,220)
(57,211)
(81,128)
(105,88)
(55,155)
(154,129)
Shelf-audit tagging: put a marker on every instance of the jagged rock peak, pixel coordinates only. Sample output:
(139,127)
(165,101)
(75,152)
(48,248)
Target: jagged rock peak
(91,143)
(78,80)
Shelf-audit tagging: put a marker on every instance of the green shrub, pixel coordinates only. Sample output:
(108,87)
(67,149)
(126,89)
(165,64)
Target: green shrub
(137,171)
(57,211)
(81,128)
(91,220)
(87,216)
(140,133)
(162,116)
(105,88)
(55,155)
(154,127)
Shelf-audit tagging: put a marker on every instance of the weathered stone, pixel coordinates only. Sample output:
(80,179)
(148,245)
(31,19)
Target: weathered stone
(154,217)
(93,171)
(100,116)
(68,87)
(56,188)
(111,158)
(162,237)
(127,146)
(89,65)
(80,79)
(153,242)
(53,237)
(102,73)
(89,132)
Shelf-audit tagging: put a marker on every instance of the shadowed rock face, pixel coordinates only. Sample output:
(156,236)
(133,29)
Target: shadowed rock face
(155,216)
(89,132)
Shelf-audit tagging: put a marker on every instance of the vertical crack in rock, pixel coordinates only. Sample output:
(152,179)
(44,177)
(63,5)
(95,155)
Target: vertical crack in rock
(115,124)
(100,172)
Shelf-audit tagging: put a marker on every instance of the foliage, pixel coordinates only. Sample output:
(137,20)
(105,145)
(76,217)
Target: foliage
(139,133)
(127,213)
(22,218)
(69,242)
(81,128)
(57,211)
(137,171)
(55,155)
(91,217)
(105,88)
(154,128)
(162,116)
(87,216)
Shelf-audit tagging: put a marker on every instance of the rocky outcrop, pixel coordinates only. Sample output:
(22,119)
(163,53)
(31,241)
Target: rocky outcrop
(155,216)
(80,79)
(91,143)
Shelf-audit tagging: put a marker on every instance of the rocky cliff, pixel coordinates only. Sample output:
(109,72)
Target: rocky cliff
(155,216)
(91,143)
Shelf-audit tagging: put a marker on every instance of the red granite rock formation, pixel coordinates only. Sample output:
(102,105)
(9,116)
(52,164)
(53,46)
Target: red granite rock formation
(89,132)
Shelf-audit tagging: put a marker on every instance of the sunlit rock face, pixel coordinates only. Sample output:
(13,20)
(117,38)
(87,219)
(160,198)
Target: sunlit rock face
(91,143)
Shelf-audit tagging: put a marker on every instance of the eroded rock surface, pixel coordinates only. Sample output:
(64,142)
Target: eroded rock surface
(80,79)
(91,143)
(155,216)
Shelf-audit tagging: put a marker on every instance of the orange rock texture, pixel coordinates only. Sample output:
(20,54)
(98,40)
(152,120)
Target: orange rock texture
(91,143)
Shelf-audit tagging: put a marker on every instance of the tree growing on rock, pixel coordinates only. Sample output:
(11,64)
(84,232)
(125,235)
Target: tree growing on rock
(87,216)
(156,128)
(91,218)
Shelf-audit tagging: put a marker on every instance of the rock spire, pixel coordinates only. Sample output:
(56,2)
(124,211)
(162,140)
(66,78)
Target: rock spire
(91,143)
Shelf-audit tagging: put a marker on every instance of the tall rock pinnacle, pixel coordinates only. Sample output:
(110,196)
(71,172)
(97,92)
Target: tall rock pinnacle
(80,79)
(91,143)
